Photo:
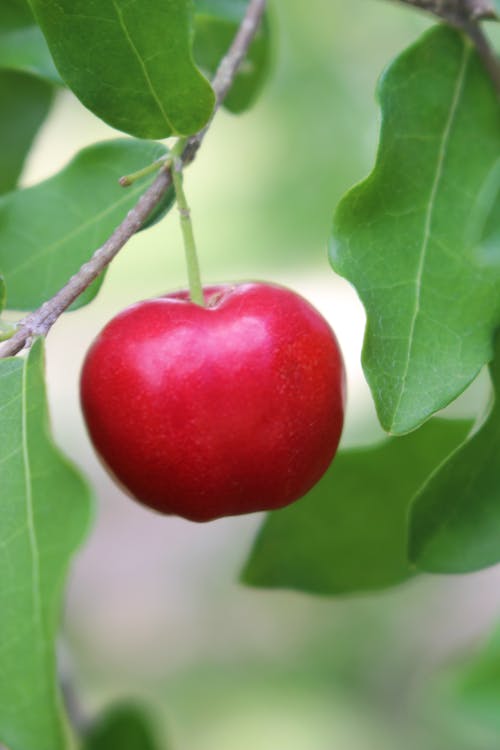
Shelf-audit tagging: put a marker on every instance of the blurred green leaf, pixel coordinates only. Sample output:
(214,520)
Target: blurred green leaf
(25,49)
(24,100)
(49,230)
(45,514)
(475,685)
(27,101)
(6,329)
(130,63)
(15,14)
(123,727)
(349,533)
(407,236)
(455,520)
(216,23)
(22,45)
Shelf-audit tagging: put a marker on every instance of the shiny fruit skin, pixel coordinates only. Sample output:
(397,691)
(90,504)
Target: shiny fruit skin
(207,412)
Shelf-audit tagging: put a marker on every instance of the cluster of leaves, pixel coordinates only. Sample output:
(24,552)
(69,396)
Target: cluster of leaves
(419,241)
(141,67)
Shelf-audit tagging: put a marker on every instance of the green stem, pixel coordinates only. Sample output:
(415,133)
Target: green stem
(193,267)
(129,179)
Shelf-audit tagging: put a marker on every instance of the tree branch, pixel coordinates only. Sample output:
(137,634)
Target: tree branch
(465,15)
(39,322)
(455,11)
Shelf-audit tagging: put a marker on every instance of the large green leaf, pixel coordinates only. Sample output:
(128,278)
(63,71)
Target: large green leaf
(349,533)
(123,727)
(48,231)
(407,236)
(455,520)
(216,23)
(45,513)
(129,62)
(26,102)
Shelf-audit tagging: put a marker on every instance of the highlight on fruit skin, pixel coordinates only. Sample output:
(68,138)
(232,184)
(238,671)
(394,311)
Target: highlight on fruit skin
(213,411)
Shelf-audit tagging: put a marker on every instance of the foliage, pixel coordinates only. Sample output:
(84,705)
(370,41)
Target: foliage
(455,520)
(409,237)
(45,513)
(418,239)
(216,22)
(349,533)
(122,727)
(71,214)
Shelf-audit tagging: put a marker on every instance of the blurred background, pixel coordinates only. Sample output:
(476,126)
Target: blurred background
(154,609)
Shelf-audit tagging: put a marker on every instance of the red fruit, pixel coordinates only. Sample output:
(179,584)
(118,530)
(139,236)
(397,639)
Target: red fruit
(207,412)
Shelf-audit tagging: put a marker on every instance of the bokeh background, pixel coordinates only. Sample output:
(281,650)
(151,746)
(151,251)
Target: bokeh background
(154,609)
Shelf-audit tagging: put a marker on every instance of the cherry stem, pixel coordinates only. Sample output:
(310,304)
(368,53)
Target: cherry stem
(193,266)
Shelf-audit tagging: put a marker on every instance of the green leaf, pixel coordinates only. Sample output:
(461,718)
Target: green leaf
(22,44)
(2,293)
(455,520)
(48,231)
(26,50)
(216,23)
(129,62)
(14,14)
(123,727)
(407,236)
(27,101)
(349,533)
(45,514)
(475,685)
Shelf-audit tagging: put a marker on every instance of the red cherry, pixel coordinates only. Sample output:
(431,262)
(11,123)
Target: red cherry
(219,410)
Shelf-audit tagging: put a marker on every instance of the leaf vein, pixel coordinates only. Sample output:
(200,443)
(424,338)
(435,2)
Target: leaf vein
(143,67)
(30,518)
(427,233)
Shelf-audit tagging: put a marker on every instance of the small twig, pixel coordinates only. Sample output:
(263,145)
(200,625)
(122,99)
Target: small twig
(39,322)
(129,179)
(465,15)
(454,11)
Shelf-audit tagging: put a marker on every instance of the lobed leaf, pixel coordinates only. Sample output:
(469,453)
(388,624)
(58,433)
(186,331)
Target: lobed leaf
(130,62)
(123,727)
(48,231)
(45,514)
(349,533)
(408,236)
(455,519)
(216,23)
